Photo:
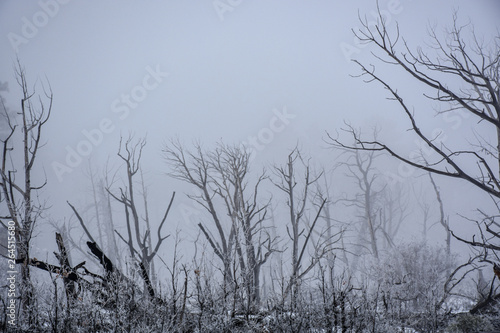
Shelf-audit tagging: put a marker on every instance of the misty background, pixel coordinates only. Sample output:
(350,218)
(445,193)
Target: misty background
(223,71)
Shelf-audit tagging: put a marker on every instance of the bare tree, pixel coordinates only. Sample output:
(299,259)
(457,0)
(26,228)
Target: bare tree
(477,67)
(325,192)
(380,208)
(301,224)
(138,239)
(462,78)
(19,191)
(393,212)
(102,213)
(443,221)
(195,168)
(222,177)
(361,169)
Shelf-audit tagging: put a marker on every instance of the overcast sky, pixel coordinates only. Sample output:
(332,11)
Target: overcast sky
(275,73)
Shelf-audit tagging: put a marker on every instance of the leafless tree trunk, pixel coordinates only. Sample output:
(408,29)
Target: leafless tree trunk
(195,168)
(223,174)
(382,209)
(442,219)
(96,204)
(17,189)
(324,192)
(148,225)
(112,246)
(131,154)
(300,232)
(362,171)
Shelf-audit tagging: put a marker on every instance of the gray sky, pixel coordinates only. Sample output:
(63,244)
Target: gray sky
(223,70)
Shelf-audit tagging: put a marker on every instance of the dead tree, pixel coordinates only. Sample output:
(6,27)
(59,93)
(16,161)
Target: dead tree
(445,223)
(73,279)
(380,207)
(78,279)
(325,192)
(19,191)
(222,179)
(301,226)
(63,258)
(361,170)
(479,96)
(101,205)
(138,239)
(247,214)
(104,261)
(195,168)
(463,79)
(113,276)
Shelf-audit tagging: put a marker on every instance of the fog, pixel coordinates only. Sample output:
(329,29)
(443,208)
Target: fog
(267,75)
